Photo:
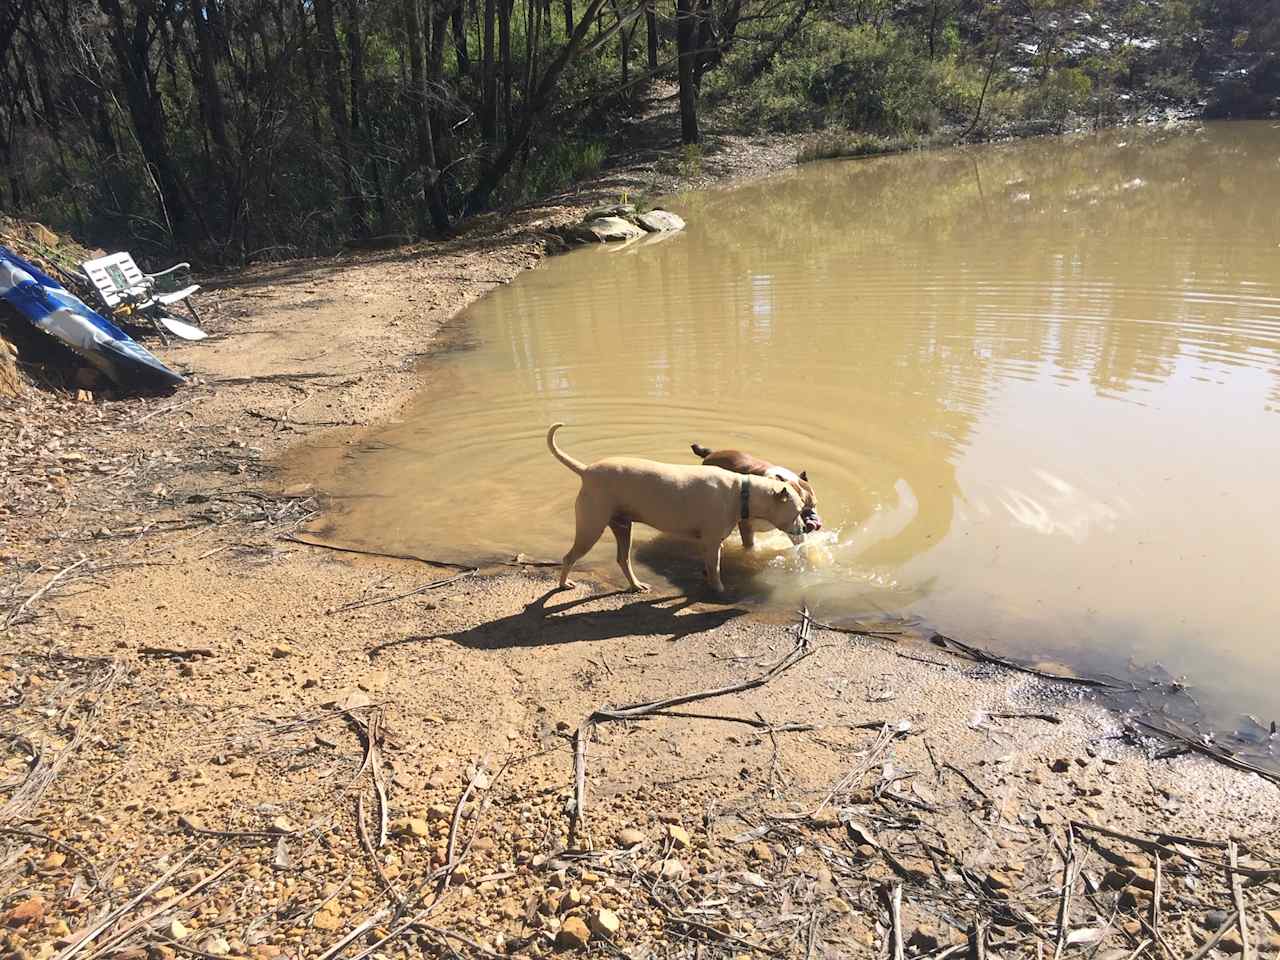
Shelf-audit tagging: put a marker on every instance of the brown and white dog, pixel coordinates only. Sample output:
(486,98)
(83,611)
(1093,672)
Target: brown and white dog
(701,503)
(738,462)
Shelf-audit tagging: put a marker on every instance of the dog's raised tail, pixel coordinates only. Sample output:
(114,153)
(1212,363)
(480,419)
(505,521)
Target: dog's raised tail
(575,465)
(700,451)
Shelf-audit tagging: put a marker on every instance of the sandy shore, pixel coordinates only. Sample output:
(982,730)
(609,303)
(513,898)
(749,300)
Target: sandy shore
(236,744)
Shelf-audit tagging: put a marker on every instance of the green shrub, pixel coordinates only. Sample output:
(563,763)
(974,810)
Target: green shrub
(1064,92)
(557,164)
(853,77)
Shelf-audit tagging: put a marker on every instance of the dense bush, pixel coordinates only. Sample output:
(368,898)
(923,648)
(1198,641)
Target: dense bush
(858,76)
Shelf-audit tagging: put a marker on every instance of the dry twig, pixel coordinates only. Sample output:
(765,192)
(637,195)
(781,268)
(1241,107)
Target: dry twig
(1237,894)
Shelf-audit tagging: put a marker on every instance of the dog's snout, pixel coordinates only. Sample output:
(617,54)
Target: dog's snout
(812,522)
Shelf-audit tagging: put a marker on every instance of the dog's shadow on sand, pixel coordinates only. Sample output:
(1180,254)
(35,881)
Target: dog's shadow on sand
(543,622)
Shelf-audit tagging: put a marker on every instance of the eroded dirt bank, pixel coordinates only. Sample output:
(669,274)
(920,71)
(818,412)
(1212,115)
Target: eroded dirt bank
(220,741)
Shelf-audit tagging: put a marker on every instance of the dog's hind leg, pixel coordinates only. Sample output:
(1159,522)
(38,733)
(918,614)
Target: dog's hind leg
(622,533)
(589,528)
(712,563)
(748,535)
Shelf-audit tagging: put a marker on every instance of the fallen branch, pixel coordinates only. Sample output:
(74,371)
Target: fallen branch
(894,896)
(387,885)
(1204,750)
(113,942)
(273,378)
(890,635)
(171,654)
(110,919)
(64,847)
(434,584)
(982,656)
(379,553)
(1218,934)
(634,711)
(355,932)
(708,929)
(22,608)
(1064,905)
(1155,846)
(1027,715)
(759,724)
(1237,894)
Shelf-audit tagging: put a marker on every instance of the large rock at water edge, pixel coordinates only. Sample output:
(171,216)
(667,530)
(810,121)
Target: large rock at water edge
(660,221)
(606,229)
(626,211)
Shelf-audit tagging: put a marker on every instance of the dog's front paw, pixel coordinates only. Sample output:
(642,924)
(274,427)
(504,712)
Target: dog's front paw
(569,585)
(639,587)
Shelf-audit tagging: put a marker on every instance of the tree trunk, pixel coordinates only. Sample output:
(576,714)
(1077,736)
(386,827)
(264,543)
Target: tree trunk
(463,55)
(568,18)
(432,210)
(491,176)
(131,46)
(489,79)
(439,13)
(685,33)
(331,63)
(309,69)
(706,45)
(210,94)
(360,110)
(651,33)
(505,8)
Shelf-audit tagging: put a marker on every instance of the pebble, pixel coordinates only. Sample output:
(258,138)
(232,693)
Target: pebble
(438,811)
(760,851)
(511,911)
(999,883)
(28,911)
(1214,919)
(177,930)
(281,650)
(217,946)
(630,837)
(605,923)
(671,869)
(1230,942)
(1144,878)
(679,836)
(1060,765)
(53,861)
(573,934)
(414,826)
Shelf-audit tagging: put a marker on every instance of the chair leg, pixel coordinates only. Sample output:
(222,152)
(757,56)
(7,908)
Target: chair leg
(155,322)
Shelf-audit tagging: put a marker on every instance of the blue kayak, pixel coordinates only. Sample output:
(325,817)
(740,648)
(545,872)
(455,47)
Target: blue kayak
(50,307)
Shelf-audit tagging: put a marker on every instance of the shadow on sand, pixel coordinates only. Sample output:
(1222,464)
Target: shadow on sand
(540,623)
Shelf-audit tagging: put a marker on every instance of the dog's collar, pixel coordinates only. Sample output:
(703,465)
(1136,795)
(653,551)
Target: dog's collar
(746,498)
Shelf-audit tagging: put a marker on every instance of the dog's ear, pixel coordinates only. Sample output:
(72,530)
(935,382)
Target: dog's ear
(804,475)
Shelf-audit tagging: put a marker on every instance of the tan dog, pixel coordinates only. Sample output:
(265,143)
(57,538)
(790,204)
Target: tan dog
(739,462)
(702,503)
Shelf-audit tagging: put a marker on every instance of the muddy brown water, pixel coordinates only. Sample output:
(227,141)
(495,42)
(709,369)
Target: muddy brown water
(1036,386)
